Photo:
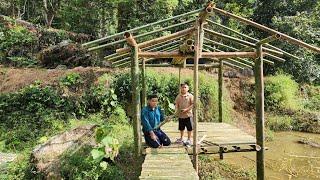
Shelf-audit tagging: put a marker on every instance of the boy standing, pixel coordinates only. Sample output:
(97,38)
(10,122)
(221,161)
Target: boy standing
(184,105)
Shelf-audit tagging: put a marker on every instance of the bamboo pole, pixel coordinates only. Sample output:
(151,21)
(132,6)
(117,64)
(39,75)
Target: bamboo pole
(233,61)
(220,88)
(242,42)
(205,13)
(224,55)
(197,54)
(101,40)
(126,59)
(144,86)
(136,100)
(240,59)
(247,49)
(160,39)
(147,60)
(139,36)
(253,39)
(259,86)
(269,30)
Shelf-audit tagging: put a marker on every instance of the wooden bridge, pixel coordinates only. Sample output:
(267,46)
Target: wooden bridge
(173,162)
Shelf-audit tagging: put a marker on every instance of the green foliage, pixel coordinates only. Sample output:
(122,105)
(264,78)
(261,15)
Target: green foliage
(209,168)
(209,100)
(279,123)
(311,95)
(29,113)
(16,46)
(81,166)
(281,92)
(72,79)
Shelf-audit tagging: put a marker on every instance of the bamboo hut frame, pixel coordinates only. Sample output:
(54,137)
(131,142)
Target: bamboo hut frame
(139,53)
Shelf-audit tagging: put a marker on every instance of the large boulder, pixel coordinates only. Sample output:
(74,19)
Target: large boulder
(46,157)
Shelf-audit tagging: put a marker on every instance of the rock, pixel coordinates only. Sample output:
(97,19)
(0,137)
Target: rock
(231,74)
(5,158)
(46,157)
(247,72)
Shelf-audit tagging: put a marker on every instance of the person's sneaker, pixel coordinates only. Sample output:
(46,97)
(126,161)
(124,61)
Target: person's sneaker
(179,141)
(188,142)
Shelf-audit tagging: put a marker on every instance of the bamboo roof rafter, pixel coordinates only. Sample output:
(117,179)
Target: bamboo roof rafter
(168,46)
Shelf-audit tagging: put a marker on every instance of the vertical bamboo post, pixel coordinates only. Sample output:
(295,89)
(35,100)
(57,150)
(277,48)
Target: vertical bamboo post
(144,86)
(220,89)
(179,79)
(259,87)
(136,99)
(197,55)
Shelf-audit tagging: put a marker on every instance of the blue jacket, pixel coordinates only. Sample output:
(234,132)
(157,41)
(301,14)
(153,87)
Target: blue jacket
(151,118)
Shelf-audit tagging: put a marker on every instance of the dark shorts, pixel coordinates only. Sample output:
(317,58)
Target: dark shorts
(185,122)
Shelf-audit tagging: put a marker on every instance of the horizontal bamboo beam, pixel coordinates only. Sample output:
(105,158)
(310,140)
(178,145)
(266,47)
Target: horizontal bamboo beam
(253,39)
(177,54)
(140,35)
(269,30)
(157,40)
(222,55)
(101,40)
(246,49)
(112,59)
(232,61)
(128,58)
(268,39)
(240,41)
(211,65)
(174,54)
(212,49)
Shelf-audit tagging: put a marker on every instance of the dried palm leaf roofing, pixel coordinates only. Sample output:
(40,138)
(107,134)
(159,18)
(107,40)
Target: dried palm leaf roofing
(219,42)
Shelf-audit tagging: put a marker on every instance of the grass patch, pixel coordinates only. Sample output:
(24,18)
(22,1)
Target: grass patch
(209,168)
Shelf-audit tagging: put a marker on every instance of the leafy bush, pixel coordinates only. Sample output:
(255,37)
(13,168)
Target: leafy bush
(280,92)
(16,46)
(279,123)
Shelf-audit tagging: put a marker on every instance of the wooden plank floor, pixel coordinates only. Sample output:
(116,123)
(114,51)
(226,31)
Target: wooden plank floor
(173,162)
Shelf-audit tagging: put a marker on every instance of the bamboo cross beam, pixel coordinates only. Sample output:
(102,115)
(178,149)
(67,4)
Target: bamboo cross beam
(128,58)
(139,36)
(146,60)
(246,49)
(240,41)
(240,59)
(253,39)
(149,48)
(101,40)
(223,55)
(204,66)
(269,30)
(157,40)
(173,43)
(269,39)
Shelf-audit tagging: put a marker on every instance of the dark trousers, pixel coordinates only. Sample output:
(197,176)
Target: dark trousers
(162,139)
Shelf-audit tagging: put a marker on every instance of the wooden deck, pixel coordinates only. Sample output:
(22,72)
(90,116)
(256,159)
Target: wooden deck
(173,162)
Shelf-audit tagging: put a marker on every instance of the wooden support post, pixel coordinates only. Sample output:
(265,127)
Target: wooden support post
(259,87)
(136,100)
(220,89)
(144,87)
(197,55)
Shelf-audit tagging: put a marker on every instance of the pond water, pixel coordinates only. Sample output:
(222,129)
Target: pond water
(285,157)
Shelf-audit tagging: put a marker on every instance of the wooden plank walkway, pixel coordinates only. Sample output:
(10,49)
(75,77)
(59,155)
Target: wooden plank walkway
(173,162)
(168,163)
